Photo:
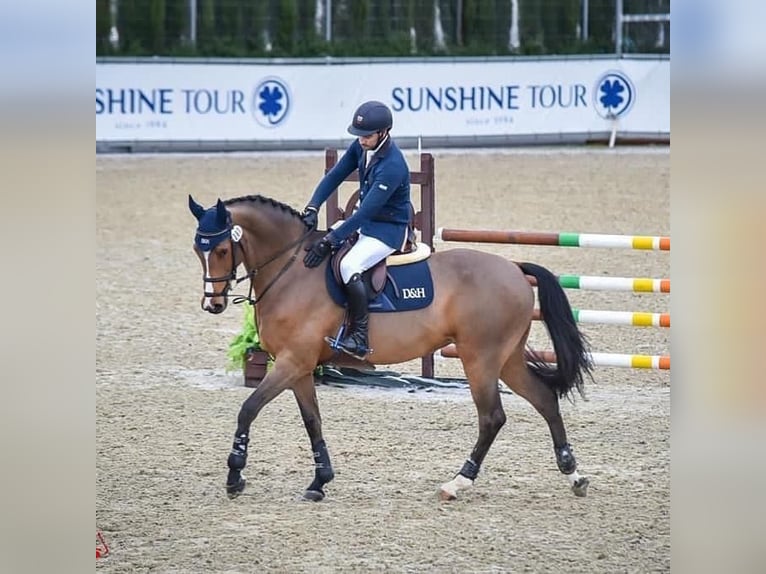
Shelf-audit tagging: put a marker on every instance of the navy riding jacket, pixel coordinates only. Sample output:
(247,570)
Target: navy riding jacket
(384,193)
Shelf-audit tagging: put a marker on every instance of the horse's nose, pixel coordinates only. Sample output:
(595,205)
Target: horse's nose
(216,308)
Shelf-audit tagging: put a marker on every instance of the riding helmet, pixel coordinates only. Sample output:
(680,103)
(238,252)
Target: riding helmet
(369,118)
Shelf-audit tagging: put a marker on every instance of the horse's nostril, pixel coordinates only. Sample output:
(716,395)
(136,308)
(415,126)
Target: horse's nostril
(214,308)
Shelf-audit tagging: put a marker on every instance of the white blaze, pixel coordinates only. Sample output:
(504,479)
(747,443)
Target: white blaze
(206,303)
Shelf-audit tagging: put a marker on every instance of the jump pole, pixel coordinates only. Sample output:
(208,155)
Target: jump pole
(630,318)
(661,362)
(644,242)
(597,283)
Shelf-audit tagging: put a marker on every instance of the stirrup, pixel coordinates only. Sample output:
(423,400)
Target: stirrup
(336,344)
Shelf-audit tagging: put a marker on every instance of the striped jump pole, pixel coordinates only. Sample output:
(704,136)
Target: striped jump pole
(634,319)
(595,283)
(661,362)
(645,242)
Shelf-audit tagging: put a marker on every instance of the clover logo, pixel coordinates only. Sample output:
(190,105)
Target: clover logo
(271,102)
(613,95)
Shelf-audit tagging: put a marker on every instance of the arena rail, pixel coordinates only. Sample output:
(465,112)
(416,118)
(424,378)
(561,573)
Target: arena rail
(425,223)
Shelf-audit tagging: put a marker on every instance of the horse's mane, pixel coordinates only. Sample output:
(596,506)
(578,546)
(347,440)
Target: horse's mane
(266,200)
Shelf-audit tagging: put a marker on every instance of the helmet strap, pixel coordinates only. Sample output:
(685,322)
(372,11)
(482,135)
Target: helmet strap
(382,137)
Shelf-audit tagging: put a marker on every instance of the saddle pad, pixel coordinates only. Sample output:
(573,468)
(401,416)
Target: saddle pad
(412,288)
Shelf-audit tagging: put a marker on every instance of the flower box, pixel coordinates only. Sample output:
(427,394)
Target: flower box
(256,362)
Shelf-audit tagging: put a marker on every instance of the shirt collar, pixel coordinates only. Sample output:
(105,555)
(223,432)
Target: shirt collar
(380,149)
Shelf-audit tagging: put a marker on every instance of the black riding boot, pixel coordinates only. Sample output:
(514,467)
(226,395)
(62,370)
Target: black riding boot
(355,341)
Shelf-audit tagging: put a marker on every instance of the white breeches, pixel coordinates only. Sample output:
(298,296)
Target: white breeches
(365,253)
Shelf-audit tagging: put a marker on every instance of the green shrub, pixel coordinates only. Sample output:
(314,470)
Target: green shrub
(246,340)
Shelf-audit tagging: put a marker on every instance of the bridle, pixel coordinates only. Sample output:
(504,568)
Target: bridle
(232,276)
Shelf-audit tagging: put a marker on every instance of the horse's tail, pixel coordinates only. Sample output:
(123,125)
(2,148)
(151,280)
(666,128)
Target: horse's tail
(569,343)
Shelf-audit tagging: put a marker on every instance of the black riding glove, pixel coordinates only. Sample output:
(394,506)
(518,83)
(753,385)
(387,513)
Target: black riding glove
(310,216)
(317,252)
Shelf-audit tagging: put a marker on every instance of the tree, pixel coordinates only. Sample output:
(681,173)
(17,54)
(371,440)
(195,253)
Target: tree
(258,36)
(560,26)
(358,11)
(371,27)
(177,23)
(308,40)
(132,24)
(287,27)
(205,24)
(477,25)
(157,26)
(103,26)
(601,26)
(231,27)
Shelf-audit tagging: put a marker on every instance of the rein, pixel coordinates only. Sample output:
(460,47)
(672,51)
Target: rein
(251,274)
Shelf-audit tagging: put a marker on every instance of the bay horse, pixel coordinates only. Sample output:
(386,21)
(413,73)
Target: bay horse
(482,303)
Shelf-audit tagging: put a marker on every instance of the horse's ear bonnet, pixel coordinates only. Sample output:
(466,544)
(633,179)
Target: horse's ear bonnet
(214,224)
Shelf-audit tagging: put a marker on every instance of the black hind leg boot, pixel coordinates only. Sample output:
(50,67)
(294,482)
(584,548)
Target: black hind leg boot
(355,341)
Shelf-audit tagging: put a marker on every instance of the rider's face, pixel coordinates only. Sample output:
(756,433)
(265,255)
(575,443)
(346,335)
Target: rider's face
(369,142)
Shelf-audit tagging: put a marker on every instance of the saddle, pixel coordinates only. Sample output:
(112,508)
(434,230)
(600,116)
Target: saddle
(375,278)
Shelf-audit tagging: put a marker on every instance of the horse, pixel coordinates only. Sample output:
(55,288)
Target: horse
(481,302)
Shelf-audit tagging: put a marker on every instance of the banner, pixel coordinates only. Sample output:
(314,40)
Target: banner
(257,102)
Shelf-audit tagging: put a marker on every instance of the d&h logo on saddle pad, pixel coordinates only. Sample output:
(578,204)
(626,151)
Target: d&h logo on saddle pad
(408,287)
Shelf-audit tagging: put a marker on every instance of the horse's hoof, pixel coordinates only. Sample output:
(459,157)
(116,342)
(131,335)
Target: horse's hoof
(313,496)
(446,496)
(234,490)
(580,488)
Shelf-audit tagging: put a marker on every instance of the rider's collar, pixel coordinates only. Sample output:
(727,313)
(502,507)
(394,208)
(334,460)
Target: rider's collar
(381,143)
(380,149)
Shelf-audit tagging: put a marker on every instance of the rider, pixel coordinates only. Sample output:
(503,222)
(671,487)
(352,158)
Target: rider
(381,217)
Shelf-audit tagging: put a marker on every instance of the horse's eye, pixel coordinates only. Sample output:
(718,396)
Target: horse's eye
(223,252)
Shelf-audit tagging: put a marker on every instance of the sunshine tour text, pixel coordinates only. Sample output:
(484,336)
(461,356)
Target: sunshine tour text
(480,98)
(166,101)
(163,101)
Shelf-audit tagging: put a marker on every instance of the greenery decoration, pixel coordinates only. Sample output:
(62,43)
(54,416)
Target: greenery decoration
(248,340)
(245,341)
